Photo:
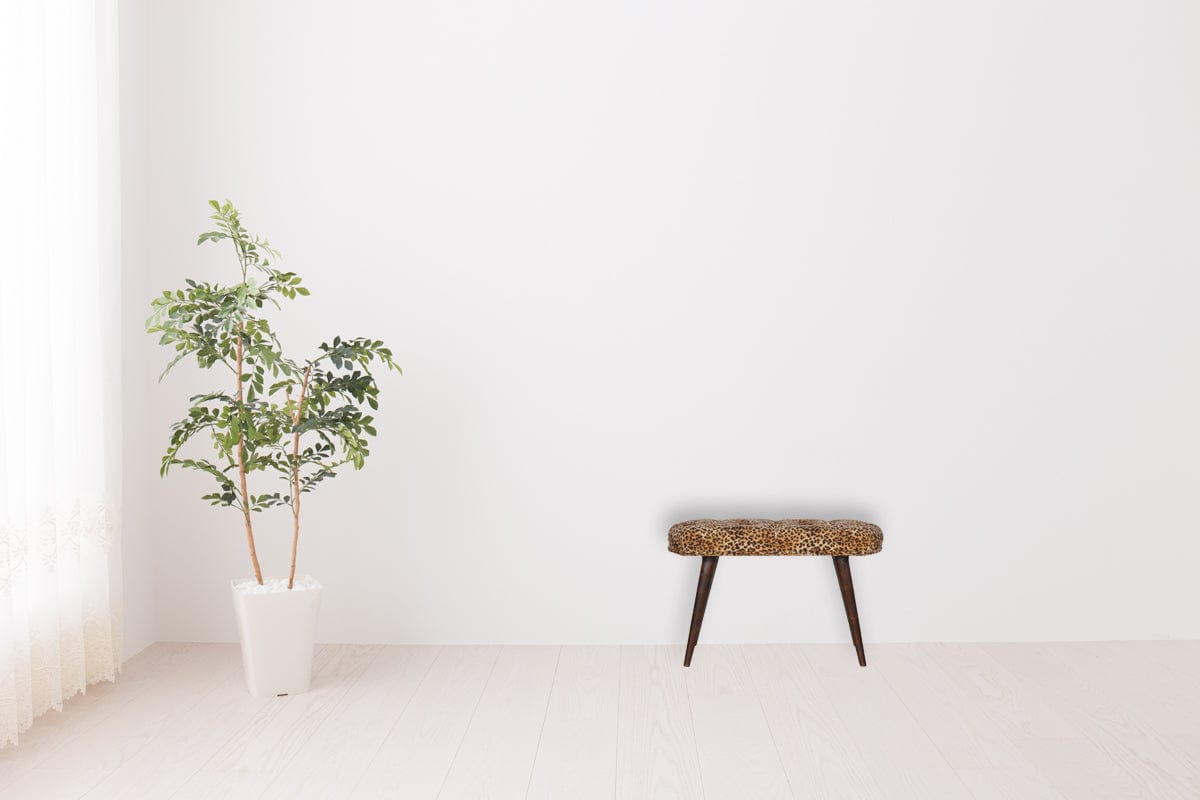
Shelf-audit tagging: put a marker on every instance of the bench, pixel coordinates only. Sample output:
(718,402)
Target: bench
(712,538)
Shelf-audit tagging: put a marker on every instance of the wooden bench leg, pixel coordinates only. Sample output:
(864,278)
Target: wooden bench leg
(842,565)
(708,568)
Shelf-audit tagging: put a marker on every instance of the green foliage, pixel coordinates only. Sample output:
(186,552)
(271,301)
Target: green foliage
(263,415)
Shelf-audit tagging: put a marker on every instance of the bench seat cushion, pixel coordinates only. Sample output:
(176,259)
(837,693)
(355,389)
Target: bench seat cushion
(774,537)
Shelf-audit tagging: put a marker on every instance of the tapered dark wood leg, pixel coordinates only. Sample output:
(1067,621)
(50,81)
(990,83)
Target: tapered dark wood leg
(842,565)
(708,568)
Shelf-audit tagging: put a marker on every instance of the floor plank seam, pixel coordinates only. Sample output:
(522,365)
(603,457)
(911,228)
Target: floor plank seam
(944,671)
(1000,665)
(687,692)
(324,649)
(333,705)
(846,723)
(1055,721)
(157,677)
(213,755)
(95,723)
(1106,742)
(766,720)
(928,738)
(230,674)
(545,713)
(467,728)
(416,689)
(617,749)
(196,771)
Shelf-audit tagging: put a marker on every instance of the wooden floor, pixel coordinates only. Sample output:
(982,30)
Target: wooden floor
(1020,721)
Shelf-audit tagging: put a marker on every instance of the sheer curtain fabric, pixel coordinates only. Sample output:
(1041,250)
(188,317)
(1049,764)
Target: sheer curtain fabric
(60,628)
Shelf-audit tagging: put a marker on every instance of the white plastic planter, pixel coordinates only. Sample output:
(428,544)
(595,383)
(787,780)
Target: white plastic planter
(277,627)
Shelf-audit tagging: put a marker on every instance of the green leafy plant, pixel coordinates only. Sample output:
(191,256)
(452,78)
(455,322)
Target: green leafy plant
(298,420)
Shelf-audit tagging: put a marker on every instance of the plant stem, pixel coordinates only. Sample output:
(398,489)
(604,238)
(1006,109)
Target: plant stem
(296,476)
(241,461)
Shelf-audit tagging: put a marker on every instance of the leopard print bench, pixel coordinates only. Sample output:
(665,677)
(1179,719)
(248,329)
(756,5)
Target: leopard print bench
(774,537)
(712,538)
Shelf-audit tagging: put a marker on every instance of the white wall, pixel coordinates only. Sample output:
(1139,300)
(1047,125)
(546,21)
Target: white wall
(137,546)
(930,264)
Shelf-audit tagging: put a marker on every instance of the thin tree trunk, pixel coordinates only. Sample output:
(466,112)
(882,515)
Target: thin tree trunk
(296,477)
(241,462)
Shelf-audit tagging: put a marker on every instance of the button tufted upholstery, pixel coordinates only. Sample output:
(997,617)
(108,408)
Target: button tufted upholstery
(771,537)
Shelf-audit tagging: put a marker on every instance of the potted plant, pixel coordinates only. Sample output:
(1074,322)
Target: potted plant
(298,420)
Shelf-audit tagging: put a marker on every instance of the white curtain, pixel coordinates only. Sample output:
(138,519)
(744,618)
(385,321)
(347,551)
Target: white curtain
(60,625)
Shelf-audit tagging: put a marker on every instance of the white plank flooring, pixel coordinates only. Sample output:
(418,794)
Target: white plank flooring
(1068,721)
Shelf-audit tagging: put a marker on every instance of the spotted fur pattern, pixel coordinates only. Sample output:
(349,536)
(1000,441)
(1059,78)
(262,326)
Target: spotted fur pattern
(771,537)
